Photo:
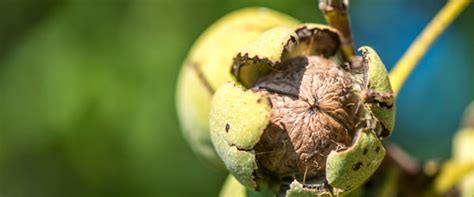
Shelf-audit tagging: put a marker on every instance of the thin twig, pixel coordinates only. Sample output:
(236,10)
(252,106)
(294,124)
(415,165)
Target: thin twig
(403,160)
(418,48)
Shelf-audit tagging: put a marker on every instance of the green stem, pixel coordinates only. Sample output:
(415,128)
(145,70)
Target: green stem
(423,42)
(336,14)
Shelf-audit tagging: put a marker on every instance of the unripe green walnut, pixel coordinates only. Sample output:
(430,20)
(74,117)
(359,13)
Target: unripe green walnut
(300,113)
(207,67)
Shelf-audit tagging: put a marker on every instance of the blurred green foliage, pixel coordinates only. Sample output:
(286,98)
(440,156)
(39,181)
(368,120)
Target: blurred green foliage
(87,95)
(87,98)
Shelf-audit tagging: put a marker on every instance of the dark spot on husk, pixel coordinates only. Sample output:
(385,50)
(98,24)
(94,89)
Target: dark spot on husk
(227,127)
(377,149)
(365,151)
(357,166)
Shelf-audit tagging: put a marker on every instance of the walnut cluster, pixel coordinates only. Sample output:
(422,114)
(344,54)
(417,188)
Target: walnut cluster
(313,112)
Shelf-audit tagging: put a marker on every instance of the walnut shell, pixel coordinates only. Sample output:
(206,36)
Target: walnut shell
(313,113)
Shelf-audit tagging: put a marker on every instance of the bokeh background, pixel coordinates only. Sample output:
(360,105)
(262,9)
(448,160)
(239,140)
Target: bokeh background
(87,89)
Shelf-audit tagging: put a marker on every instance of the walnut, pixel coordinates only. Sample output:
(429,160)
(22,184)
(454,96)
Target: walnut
(313,112)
